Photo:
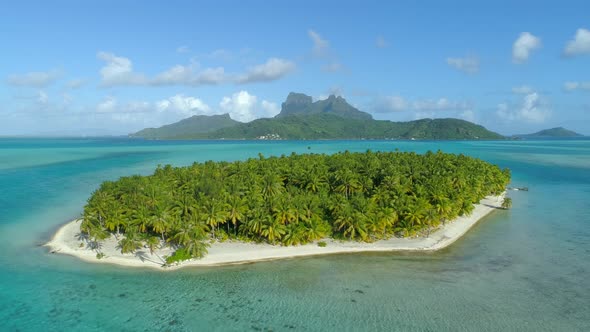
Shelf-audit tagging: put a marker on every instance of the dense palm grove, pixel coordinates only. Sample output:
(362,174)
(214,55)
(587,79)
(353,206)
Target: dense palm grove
(289,200)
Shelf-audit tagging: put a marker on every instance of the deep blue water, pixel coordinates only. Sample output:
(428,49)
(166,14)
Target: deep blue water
(525,269)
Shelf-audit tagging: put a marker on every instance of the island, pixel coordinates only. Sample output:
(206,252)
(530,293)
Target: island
(267,208)
(558,132)
(332,118)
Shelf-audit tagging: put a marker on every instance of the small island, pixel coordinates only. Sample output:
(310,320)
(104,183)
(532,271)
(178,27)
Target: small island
(558,132)
(296,205)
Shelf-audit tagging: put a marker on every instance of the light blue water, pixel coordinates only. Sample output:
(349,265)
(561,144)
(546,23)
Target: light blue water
(526,269)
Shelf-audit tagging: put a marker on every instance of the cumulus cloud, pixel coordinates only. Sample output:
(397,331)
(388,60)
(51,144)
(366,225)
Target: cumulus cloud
(524,45)
(320,45)
(244,107)
(241,106)
(36,79)
(140,114)
(579,45)
(533,109)
(572,86)
(271,70)
(522,90)
(469,64)
(119,71)
(185,105)
(380,42)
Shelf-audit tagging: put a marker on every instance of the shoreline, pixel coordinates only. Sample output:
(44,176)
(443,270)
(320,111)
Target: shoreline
(65,242)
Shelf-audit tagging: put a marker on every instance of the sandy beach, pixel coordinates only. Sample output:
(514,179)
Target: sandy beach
(66,241)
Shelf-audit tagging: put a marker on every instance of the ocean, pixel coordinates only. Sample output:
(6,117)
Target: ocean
(524,269)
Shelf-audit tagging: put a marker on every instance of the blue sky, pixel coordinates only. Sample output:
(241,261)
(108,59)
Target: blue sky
(115,67)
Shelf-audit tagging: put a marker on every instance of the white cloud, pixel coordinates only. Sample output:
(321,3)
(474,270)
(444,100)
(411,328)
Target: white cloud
(119,71)
(572,86)
(441,104)
(244,107)
(391,104)
(522,90)
(469,64)
(380,42)
(421,107)
(533,109)
(271,70)
(75,83)
(37,79)
(468,115)
(43,98)
(184,105)
(211,76)
(579,45)
(188,75)
(107,105)
(221,54)
(523,46)
(175,75)
(241,106)
(270,109)
(320,45)
(183,49)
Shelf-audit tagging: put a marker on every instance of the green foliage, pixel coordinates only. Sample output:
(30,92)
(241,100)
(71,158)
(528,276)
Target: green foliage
(330,126)
(507,203)
(99,255)
(332,118)
(179,255)
(322,244)
(288,200)
(553,132)
(189,126)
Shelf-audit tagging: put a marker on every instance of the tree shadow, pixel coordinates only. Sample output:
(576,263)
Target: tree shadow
(143,256)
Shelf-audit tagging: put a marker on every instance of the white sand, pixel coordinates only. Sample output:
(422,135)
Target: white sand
(66,241)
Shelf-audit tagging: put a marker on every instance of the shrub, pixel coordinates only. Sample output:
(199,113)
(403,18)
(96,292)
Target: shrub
(322,244)
(178,256)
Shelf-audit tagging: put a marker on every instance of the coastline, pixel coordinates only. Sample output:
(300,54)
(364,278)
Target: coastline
(65,241)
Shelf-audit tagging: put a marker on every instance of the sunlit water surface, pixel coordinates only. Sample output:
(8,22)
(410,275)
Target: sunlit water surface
(523,269)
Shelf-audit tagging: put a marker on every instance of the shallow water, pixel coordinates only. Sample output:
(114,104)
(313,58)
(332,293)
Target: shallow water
(522,269)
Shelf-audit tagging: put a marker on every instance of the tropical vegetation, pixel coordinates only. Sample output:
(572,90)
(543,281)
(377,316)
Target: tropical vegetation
(288,200)
(331,118)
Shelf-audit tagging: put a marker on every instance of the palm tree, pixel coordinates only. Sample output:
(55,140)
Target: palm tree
(237,210)
(507,203)
(272,229)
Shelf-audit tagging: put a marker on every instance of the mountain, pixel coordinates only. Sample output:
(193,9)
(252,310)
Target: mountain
(553,132)
(331,118)
(196,124)
(330,126)
(300,104)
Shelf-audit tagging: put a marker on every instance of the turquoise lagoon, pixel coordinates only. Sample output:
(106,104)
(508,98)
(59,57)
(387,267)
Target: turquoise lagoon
(526,269)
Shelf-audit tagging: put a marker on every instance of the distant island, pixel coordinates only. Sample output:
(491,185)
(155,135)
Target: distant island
(558,132)
(385,198)
(332,118)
